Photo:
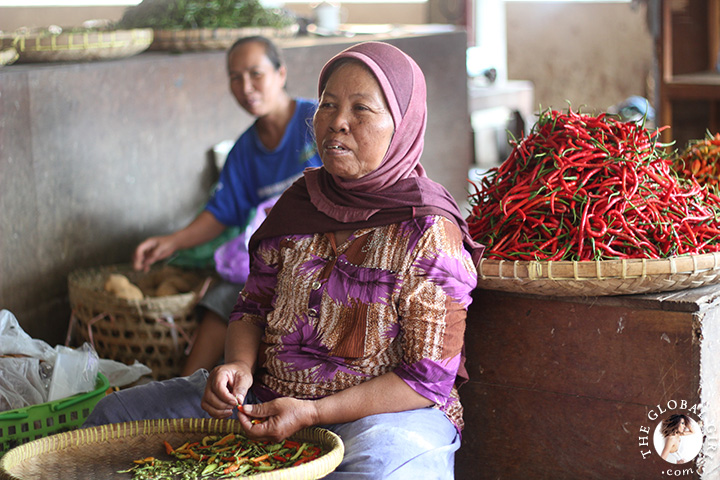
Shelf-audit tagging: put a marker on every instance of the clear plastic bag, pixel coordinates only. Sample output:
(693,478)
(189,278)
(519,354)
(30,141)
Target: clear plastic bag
(74,371)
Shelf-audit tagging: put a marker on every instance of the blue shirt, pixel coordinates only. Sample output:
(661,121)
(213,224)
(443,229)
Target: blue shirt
(253,174)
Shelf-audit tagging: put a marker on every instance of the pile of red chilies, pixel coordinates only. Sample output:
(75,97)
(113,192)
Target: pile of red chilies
(582,187)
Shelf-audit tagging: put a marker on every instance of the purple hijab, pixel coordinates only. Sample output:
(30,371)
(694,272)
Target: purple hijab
(398,190)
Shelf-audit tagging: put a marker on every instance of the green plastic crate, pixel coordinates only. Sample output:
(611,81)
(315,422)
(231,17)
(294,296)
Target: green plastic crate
(22,425)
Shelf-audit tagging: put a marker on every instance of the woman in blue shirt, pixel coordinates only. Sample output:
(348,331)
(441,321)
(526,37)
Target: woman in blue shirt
(265,160)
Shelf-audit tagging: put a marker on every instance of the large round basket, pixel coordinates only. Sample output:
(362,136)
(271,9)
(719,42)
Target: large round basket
(212,38)
(100,452)
(599,278)
(154,331)
(78,46)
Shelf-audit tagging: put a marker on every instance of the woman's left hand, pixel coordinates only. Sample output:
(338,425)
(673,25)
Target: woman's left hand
(277,419)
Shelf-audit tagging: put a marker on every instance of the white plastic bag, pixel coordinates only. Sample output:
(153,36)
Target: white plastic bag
(21,383)
(43,374)
(119,374)
(14,340)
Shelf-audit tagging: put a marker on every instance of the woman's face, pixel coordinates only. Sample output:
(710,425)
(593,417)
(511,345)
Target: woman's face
(353,125)
(254,81)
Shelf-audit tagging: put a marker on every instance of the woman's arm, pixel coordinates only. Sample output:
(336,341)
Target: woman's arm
(384,394)
(284,416)
(689,430)
(203,228)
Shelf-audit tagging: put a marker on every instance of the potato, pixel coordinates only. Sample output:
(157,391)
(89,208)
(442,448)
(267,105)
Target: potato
(120,286)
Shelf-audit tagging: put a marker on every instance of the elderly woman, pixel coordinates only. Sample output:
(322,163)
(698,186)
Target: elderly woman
(353,315)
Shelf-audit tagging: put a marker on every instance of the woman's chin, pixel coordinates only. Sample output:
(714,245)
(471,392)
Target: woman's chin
(255,110)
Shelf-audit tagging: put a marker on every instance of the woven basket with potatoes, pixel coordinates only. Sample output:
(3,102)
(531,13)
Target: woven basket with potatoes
(128,315)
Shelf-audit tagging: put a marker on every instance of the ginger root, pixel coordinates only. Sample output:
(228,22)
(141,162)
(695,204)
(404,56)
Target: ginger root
(173,285)
(168,280)
(120,286)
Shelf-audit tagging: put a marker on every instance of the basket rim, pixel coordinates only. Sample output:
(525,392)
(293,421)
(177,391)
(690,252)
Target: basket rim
(78,46)
(75,285)
(599,277)
(133,33)
(194,39)
(500,269)
(104,435)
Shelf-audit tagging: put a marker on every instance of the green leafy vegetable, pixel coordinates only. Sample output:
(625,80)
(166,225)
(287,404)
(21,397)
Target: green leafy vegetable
(193,14)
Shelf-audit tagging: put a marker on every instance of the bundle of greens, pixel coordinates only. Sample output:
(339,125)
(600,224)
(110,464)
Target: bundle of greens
(194,14)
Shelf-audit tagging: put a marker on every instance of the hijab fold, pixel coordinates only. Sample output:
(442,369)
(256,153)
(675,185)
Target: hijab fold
(396,191)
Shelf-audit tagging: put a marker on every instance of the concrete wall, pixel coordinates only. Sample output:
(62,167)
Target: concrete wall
(386,12)
(591,54)
(95,157)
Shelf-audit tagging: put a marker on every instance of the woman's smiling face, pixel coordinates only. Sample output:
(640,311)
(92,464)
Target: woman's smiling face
(254,81)
(353,125)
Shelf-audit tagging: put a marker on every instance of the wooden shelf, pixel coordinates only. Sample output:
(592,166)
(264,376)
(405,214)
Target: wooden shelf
(687,54)
(694,86)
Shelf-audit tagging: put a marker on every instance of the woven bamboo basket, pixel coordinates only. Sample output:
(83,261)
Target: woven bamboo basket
(155,331)
(212,38)
(599,278)
(100,452)
(78,46)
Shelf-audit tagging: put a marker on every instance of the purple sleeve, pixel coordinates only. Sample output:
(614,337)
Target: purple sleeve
(435,296)
(255,300)
(431,379)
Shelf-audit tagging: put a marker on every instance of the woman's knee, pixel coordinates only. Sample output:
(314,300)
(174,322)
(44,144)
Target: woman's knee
(398,446)
(174,398)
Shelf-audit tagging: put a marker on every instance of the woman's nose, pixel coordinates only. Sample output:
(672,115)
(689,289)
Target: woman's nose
(339,122)
(247,86)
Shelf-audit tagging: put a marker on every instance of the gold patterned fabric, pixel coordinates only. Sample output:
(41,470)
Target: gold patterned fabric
(388,299)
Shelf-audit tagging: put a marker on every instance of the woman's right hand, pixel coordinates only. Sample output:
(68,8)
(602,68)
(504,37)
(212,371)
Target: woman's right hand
(226,388)
(152,250)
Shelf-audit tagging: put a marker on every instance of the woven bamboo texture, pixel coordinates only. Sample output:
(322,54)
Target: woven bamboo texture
(599,278)
(78,46)
(100,452)
(155,331)
(211,39)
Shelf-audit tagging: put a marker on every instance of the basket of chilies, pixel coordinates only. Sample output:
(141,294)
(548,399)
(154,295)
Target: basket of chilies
(591,205)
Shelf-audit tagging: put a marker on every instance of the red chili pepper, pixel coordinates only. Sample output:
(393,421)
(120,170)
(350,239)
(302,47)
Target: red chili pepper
(604,187)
